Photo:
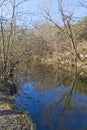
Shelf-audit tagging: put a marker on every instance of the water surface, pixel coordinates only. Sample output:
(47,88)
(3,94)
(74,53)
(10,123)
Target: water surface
(47,96)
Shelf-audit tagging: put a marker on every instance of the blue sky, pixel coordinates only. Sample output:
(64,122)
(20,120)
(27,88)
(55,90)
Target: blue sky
(35,6)
(32,10)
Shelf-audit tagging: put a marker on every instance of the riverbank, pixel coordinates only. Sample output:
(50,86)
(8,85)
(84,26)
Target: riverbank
(10,118)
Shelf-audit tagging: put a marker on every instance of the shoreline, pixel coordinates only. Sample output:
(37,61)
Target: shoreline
(10,118)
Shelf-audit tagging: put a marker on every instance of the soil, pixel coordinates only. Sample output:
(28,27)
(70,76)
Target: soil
(10,118)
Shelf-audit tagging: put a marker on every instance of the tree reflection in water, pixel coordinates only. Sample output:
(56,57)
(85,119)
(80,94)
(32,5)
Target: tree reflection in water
(65,104)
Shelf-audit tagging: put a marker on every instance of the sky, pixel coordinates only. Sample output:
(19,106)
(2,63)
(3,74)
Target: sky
(33,10)
(37,6)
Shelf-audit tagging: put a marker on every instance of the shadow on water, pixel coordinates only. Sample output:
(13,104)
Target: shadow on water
(55,98)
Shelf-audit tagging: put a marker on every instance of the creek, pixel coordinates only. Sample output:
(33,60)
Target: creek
(46,94)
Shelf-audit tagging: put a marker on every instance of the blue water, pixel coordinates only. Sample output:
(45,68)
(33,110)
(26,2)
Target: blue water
(49,107)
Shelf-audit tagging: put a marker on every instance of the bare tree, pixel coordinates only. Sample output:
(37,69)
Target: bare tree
(66,29)
(84,3)
(11,50)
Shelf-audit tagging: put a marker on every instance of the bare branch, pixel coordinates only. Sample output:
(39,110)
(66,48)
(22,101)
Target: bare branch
(2,3)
